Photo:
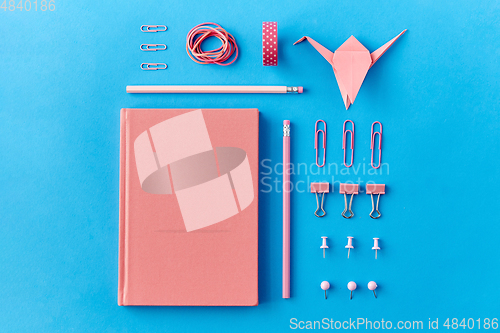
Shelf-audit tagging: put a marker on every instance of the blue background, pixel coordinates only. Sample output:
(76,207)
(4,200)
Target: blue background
(62,83)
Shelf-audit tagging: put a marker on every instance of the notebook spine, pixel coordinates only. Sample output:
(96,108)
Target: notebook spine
(122,214)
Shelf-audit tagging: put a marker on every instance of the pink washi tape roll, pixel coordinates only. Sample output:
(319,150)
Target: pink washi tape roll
(269,43)
(211,184)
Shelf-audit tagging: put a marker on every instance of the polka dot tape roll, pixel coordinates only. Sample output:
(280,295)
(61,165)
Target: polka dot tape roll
(269,43)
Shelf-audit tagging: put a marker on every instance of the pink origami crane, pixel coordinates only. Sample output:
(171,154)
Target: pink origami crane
(350,63)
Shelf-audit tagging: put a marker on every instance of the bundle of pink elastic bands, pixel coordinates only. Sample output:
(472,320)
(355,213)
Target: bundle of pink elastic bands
(220,55)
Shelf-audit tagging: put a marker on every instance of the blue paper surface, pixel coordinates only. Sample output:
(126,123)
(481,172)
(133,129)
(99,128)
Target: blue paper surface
(62,83)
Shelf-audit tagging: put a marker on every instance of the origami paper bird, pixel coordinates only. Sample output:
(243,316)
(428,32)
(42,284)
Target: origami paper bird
(350,62)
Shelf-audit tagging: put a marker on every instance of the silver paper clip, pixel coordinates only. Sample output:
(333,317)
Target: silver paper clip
(320,188)
(153,28)
(153,47)
(152,67)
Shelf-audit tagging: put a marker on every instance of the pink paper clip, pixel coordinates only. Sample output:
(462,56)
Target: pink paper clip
(379,144)
(375,189)
(316,135)
(352,142)
(351,189)
(320,188)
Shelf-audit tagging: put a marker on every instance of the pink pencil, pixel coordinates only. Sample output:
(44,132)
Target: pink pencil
(213,89)
(286,208)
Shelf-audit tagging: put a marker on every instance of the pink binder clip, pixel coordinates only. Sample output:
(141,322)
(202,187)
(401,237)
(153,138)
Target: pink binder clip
(316,135)
(352,143)
(351,189)
(320,188)
(379,144)
(375,189)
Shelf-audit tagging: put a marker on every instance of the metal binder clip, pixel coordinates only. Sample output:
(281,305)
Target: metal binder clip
(316,135)
(375,189)
(152,67)
(352,142)
(153,28)
(351,189)
(379,144)
(320,188)
(153,47)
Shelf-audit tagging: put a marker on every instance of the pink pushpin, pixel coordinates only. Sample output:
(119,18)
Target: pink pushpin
(349,245)
(372,286)
(325,285)
(351,286)
(324,246)
(375,246)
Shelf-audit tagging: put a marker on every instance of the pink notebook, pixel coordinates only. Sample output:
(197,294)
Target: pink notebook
(189,207)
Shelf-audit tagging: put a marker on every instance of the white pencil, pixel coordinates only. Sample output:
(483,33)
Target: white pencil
(213,89)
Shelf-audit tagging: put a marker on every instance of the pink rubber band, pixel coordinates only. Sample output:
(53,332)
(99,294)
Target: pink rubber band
(218,56)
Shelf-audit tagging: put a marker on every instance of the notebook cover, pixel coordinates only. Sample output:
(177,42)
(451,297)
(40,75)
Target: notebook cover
(188,207)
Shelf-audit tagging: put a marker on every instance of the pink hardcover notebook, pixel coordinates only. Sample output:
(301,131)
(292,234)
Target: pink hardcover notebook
(189,207)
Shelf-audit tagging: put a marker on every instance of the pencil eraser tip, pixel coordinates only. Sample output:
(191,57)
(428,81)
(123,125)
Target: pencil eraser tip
(286,122)
(301,90)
